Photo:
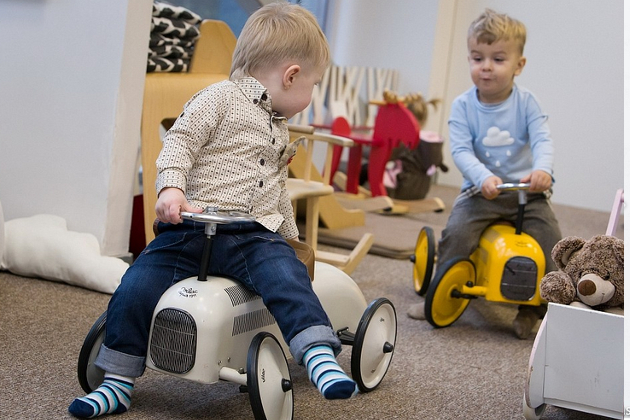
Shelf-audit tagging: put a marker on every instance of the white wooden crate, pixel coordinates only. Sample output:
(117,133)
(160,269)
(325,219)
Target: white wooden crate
(576,363)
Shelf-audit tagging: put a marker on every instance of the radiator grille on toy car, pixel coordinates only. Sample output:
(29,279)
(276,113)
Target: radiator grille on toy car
(173,341)
(239,294)
(252,321)
(519,279)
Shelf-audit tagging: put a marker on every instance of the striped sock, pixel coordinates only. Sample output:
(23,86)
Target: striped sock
(113,396)
(327,375)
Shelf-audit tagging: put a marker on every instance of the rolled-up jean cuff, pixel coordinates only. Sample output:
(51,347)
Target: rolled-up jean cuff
(113,361)
(313,336)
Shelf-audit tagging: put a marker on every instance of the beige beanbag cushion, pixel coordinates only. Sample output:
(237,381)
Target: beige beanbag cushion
(41,246)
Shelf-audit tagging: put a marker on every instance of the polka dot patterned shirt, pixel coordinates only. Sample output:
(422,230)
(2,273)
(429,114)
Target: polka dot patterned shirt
(224,151)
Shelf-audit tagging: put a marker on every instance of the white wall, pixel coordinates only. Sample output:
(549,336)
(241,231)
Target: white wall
(383,34)
(575,68)
(71,83)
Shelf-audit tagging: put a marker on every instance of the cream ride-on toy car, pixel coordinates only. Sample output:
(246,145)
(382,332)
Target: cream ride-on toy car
(202,326)
(507,266)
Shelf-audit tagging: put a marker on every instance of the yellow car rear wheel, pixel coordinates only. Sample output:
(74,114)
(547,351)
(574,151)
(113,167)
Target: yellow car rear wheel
(423,259)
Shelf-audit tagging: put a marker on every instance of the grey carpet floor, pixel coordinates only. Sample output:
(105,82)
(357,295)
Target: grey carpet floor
(474,369)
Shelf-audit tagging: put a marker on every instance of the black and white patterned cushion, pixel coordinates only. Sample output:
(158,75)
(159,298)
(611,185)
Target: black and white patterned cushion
(171,51)
(174,28)
(174,31)
(174,65)
(159,40)
(165,10)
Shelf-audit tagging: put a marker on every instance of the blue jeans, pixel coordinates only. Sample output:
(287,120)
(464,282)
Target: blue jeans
(247,252)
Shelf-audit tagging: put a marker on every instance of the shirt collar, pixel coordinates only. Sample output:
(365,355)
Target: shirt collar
(255,92)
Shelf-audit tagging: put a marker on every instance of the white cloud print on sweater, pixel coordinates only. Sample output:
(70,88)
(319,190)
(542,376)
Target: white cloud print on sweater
(496,138)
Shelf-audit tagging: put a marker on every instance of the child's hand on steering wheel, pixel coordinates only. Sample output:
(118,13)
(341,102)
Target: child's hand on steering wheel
(171,202)
(489,187)
(539,181)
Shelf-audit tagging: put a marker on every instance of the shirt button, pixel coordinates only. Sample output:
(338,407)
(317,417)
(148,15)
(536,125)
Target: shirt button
(262,161)
(260,184)
(255,101)
(264,97)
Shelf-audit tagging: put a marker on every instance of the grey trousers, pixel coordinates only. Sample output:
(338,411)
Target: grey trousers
(472,214)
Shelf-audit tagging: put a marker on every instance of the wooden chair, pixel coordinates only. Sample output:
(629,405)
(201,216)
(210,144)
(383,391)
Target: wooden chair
(166,93)
(312,186)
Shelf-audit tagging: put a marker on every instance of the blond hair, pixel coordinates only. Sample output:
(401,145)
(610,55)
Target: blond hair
(275,33)
(491,26)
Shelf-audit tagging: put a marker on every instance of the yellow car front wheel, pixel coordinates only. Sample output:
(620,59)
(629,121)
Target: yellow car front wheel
(423,259)
(445,303)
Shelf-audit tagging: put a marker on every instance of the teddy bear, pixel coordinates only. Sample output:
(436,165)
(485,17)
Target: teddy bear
(590,273)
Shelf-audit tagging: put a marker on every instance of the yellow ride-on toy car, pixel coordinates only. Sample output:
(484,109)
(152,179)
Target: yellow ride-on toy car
(506,267)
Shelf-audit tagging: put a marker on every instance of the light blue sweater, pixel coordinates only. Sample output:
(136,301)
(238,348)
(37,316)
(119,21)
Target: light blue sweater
(509,139)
